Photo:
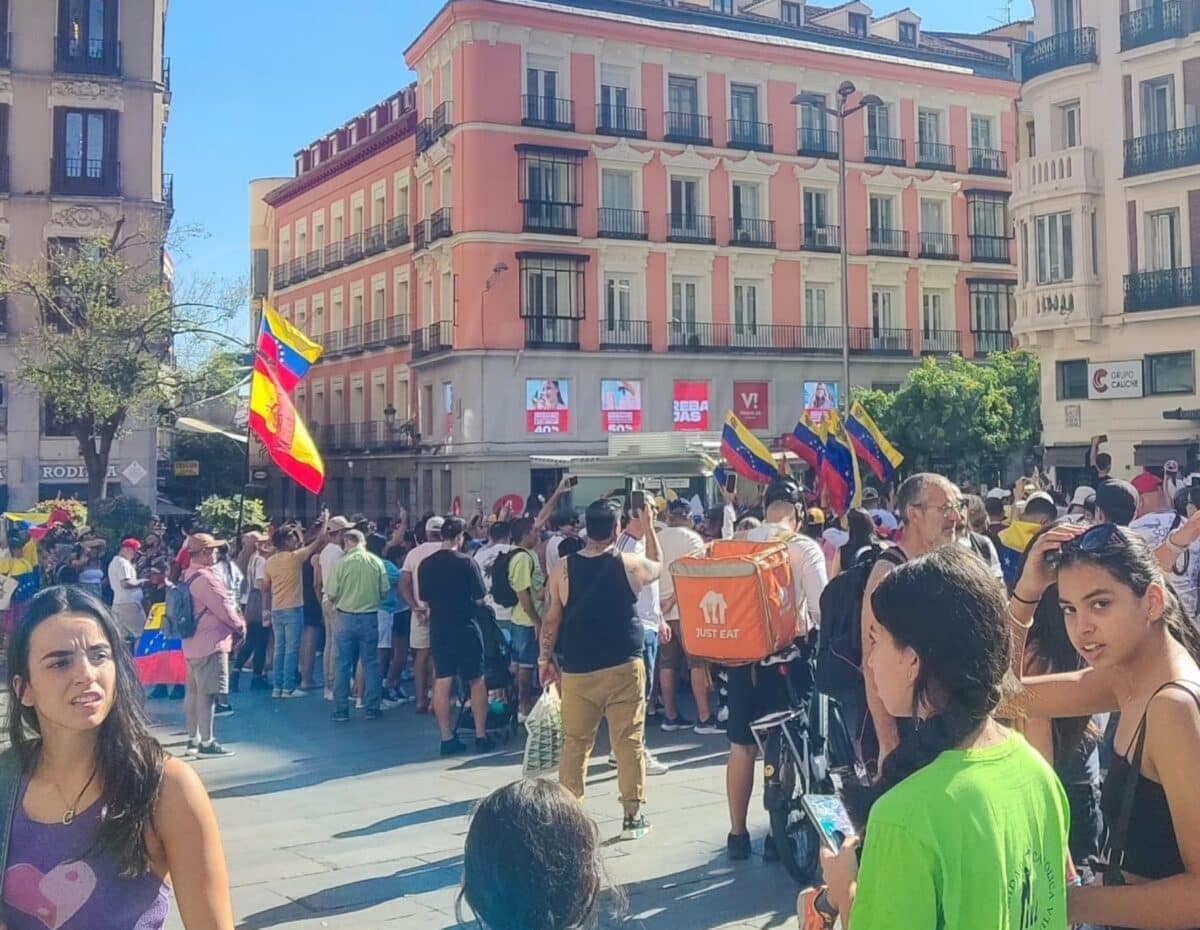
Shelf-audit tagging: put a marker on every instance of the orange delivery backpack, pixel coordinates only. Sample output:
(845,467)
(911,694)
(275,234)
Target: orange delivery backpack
(737,604)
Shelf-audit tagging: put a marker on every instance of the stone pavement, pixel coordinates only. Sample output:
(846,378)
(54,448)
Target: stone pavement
(357,826)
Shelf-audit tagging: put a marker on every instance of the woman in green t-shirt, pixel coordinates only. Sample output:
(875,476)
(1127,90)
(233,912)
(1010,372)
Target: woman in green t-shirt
(966,828)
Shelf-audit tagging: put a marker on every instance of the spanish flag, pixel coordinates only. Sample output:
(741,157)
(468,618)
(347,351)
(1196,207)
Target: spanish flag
(275,421)
(292,352)
(745,452)
(839,469)
(807,440)
(871,445)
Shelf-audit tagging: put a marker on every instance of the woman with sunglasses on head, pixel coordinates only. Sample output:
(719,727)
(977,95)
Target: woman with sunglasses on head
(1142,655)
(102,823)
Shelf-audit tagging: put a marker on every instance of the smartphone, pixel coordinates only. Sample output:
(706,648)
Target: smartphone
(828,814)
(1103,437)
(573,481)
(637,502)
(731,482)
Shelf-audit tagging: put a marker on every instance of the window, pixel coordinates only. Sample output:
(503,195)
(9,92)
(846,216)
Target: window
(989,306)
(793,13)
(744,106)
(932,321)
(683,307)
(87,36)
(929,127)
(615,101)
(908,33)
(616,190)
(552,286)
(618,302)
(1066,15)
(858,24)
(882,217)
(981,132)
(879,124)
(683,95)
(1031,136)
(402,298)
(746,198)
(812,124)
(1171,373)
(54,422)
(1072,127)
(540,85)
(379,302)
(1072,379)
(933,216)
(745,308)
(685,207)
(987,212)
(816,204)
(882,300)
(816,301)
(1055,251)
(548,186)
(85,151)
(1158,106)
(722,6)
(1162,240)
(356,309)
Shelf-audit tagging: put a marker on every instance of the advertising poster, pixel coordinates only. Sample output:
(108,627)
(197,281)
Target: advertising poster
(752,403)
(1108,380)
(547,405)
(820,397)
(690,406)
(621,406)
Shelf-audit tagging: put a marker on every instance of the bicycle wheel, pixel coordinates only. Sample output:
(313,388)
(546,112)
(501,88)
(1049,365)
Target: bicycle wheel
(796,839)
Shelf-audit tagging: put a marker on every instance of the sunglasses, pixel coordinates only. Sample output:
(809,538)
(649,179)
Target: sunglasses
(1096,539)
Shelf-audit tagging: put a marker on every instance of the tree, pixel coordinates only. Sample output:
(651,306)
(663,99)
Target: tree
(118,518)
(110,324)
(220,514)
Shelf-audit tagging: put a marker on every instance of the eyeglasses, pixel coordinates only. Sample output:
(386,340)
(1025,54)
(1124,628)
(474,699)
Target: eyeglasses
(946,510)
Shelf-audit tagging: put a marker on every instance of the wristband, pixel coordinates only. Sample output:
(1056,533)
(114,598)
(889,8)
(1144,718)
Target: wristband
(1019,624)
(1020,600)
(1174,545)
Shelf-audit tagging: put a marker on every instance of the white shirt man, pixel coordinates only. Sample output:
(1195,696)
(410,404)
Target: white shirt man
(485,558)
(809,572)
(127,590)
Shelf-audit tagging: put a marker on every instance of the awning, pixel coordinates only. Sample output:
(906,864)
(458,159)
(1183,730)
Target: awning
(1154,452)
(1066,455)
(164,508)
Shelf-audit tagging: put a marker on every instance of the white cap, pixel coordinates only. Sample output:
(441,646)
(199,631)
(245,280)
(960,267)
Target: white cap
(434,525)
(1082,493)
(997,494)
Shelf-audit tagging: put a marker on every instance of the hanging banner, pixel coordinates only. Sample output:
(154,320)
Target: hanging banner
(547,405)
(621,406)
(820,399)
(690,406)
(752,403)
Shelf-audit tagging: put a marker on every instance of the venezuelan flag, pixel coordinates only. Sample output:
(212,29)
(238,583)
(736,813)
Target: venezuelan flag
(871,445)
(746,453)
(807,440)
(159,660)
(275,421)
(292,352)
(840,467)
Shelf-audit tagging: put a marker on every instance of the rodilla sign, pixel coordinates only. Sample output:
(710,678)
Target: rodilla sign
(1115,380)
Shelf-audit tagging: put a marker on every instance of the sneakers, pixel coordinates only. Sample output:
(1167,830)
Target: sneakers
(340,717)
(452,747)
(770,850)
(737,845)
(294,693)
(710,727)
(193,747)
(654,710)
(814,909)
(223,710)
(213,749)
(329,694)
(654,767)
(635,827)
(276,693)
(395,697)
(374,714)
(358,704)
(671,724)
(485,744)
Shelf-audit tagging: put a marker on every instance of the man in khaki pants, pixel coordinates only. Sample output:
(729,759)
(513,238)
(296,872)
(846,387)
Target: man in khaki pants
(327,558)
(592,625)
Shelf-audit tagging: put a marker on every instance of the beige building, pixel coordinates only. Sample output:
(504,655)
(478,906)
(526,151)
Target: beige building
(84,99)
(1106,203)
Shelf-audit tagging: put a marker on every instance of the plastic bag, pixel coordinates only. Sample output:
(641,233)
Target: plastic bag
(543,747)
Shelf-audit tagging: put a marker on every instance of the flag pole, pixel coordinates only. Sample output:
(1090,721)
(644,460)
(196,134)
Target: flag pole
(246,460)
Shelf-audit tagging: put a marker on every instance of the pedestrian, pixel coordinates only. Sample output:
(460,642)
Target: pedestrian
(283,584)
(452,585)
(860,535)
(392,695)
(1117,502)
(967,824)
(564,524)
(127,605)
(418,639)
(235,581)
(258,629)
(592,644)
(89,564)
(499,542)
(84,773)
(395,552)
(356,586)
(314,621)
(528,581)
(329,555)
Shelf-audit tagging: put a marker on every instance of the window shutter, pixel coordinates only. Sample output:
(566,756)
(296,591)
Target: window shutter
(1132,220)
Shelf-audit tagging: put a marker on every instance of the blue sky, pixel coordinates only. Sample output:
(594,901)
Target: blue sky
(254,81)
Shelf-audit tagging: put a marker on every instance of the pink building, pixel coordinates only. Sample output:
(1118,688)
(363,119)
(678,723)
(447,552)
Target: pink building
(573,190)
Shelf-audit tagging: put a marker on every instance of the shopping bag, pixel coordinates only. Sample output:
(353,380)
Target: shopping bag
(543,746)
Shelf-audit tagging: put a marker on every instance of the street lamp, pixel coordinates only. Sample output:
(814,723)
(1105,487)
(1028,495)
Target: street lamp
(844,92)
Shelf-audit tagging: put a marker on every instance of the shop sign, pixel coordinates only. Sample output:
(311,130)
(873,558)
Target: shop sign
(1115,380)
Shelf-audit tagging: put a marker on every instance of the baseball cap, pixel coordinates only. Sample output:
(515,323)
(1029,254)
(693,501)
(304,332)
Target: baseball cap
(679,506)
(434,525)
(870,496)
(1171,466)
(198,542)
(1119,501)
(1147,482)
(338,524)
(131,543)
(816,515)
(1039,496)
(997,494)
(1082,493)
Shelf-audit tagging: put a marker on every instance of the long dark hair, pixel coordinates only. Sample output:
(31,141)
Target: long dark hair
(129,760)
(952,612)
(860,528)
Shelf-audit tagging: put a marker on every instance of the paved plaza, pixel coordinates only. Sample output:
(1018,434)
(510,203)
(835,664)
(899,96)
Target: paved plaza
(358,826)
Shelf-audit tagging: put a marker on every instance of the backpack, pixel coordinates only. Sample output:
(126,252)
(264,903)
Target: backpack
(502,589)
(181,620)
(839,647)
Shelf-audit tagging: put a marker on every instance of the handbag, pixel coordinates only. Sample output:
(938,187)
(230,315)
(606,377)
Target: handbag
(543,748)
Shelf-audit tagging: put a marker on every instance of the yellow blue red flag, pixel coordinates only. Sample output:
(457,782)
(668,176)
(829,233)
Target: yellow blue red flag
(840,467)
(746,453)
(276,422)
(871,445)
(292,352)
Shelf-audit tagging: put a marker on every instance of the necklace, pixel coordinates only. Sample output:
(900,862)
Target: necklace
(68,816)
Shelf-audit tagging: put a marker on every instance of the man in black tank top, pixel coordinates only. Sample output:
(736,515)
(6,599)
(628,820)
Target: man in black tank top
(591,642)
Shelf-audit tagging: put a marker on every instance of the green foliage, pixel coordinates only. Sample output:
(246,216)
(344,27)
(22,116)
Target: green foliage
(222,468)
(77,509)
(221,513)
(217,374)
(118,518)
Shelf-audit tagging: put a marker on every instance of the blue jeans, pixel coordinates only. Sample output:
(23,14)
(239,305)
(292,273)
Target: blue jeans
(357,638)
(650,657)
(288,625)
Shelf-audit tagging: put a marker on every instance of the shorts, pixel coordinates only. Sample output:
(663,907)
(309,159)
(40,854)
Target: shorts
(313,614)
(401,623)
(131,618)
(210,675)
(524,646)
(757,690)
(384,621)
(457,652)
(672,657)
(418,636)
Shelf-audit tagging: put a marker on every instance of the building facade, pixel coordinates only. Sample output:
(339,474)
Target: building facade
(84,98)
(588,218)
(1106,204)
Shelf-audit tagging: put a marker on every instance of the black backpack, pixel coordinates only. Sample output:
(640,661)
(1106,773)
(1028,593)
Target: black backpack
(502,589)
(839,648)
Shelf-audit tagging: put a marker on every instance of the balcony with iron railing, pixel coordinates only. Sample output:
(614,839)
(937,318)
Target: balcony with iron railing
(1163,151)
(629,335)
(751,135)
(389,331)
(85,177)
(91,56)
(688,128)
(747,337)
(423,135)
(691,228)
(422,234)
(752,233)
(1063,50)
(1157,21)
(933,155)
(375,239)
(893,242)
(1170,289)
(548,112)
(297,270)
(442,119)
(281,276)
(937,245)
(552,218)
(166,74)
(433,339)
(817,143)
(398,232)
(820,238)
(314,263)
(440,223)
(991,162)
(868,339)
(352,247)
(619,223)
(939,342)
(551,332)
(991,249)
(335,256)
(612,120)
(168,191)
(991,341)
(884,150)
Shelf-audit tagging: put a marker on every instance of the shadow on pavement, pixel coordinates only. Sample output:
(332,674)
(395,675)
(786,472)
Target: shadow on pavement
(399,822)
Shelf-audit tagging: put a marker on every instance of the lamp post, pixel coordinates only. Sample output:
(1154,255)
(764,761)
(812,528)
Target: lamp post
(844,92)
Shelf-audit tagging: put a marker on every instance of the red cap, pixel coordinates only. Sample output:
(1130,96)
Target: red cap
(131,543)
(1147,482)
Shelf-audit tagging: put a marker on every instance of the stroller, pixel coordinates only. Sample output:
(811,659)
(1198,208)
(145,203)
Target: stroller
(497,673)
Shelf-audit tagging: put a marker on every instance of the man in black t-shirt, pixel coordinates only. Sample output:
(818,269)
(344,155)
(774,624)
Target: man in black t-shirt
(451,584)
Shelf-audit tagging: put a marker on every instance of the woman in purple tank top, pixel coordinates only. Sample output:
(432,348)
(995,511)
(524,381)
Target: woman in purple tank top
(103,821)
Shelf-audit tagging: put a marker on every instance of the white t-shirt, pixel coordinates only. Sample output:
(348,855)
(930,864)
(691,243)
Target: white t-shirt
(328,558)
(809,572)
(675,542)
(121,569)
(485,558)
(413,561)
(648,609)
(1154,528)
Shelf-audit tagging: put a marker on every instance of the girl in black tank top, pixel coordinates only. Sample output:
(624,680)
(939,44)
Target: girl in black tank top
(600,628)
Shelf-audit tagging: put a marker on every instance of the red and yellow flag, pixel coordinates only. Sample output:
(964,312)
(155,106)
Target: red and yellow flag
(275,421)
